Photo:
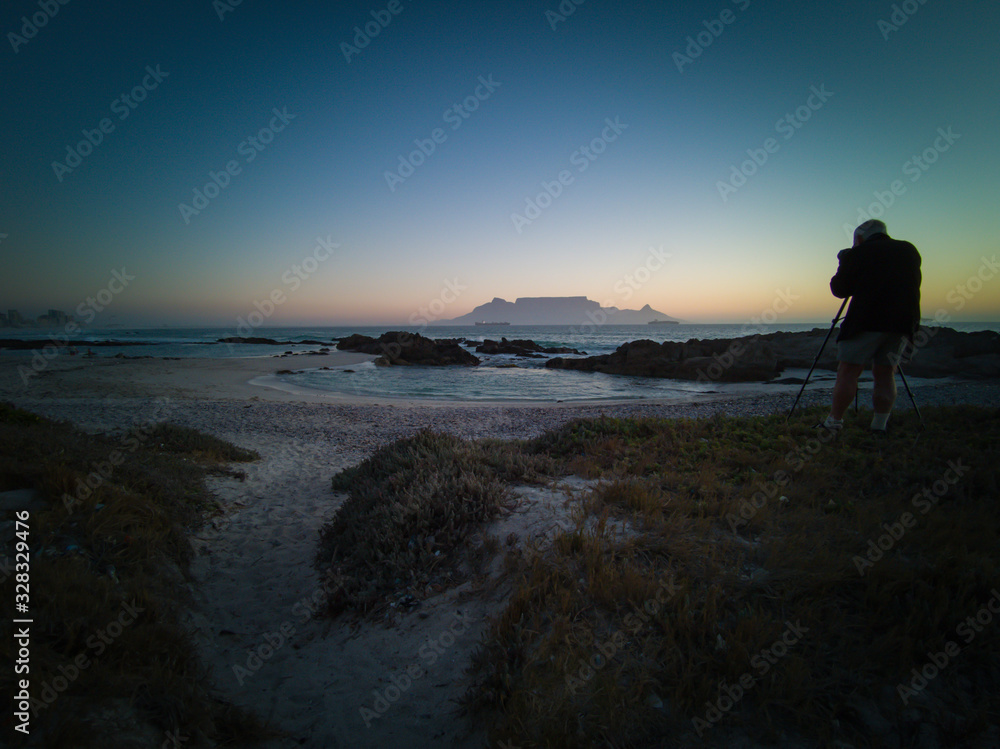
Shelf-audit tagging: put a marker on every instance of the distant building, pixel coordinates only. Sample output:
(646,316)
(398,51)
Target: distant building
(14,318)
(53,318)
(3,321)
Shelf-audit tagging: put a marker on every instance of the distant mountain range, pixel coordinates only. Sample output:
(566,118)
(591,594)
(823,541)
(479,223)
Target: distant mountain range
(556,310)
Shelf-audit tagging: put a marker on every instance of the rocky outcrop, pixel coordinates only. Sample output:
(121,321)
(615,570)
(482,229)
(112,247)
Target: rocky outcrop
(521,347)
(401,348)
(724,360)
(938,352)
(270,341)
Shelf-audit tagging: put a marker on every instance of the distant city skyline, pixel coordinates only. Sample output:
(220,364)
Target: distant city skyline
(190,163)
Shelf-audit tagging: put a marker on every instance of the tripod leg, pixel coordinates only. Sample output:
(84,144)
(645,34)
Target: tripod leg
(910,393)
(816,360)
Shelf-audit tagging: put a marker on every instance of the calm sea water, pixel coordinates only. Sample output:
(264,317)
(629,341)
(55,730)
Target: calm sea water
(494,379)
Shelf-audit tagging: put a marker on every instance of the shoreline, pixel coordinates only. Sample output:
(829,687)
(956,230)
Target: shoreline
(255,379)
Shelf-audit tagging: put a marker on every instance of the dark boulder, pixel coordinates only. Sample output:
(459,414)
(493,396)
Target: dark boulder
(258,341)
(738,360)
(521,347)
(937,352)
(398,348)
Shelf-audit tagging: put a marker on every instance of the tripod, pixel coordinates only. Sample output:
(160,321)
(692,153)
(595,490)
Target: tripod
(816,360)
(899,369)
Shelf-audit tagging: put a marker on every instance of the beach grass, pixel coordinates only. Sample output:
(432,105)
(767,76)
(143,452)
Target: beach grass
(748,576)
(408,527)
(732,578)
(110,659)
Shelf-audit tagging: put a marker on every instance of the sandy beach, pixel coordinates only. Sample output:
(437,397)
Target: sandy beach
(253,585)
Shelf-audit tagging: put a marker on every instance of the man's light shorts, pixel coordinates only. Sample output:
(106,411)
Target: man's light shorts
(878,348)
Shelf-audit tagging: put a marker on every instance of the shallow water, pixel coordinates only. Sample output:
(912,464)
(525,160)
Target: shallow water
(493,380)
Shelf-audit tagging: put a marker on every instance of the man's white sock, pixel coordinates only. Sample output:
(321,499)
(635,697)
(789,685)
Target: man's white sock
(832,423)
(880,420)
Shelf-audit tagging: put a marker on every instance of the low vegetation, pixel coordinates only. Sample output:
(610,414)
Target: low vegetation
(110,661)
(409,526)
(733,579)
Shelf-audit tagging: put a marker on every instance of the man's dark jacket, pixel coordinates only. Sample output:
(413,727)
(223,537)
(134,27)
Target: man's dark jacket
(883,277)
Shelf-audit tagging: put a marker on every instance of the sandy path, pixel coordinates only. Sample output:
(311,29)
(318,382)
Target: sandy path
(254,586)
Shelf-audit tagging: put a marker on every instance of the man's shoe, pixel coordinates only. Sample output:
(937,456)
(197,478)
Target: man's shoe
(834,430)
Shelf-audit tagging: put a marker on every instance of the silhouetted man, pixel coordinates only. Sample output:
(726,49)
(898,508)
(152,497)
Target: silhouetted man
(883,277)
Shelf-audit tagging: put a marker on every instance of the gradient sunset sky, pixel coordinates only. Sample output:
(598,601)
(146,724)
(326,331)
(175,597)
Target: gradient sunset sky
(841,105)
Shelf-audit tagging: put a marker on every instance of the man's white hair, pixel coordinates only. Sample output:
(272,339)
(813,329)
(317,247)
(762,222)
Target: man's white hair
(869,228)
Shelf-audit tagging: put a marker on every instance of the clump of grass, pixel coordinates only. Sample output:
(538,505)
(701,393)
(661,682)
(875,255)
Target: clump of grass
(412,506)
(198,445)
(108,547)
(763,532)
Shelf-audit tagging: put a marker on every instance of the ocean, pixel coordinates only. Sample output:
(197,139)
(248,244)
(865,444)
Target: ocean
(495,379)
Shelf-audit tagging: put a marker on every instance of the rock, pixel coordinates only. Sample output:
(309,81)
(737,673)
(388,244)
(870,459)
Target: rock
(22,499)
(400,348)
(944,352)
(520,347)
(241,339)
(939,352)
(354,342)
(739,360)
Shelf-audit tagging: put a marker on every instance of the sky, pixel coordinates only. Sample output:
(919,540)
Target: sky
(187,163)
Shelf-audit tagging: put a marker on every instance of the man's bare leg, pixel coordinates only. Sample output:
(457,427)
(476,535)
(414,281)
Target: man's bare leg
(883,393)
(844,389)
